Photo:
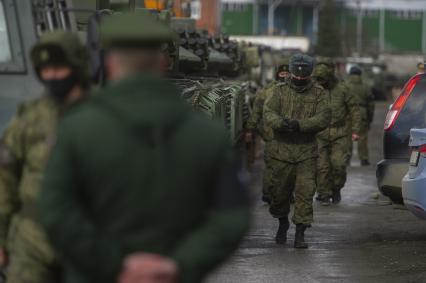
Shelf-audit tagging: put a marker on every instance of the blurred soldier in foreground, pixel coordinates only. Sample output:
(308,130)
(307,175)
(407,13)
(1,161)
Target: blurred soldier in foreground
(147,190)
(256,124)
(334,142)
(365,100)
(60,61)
(296,111)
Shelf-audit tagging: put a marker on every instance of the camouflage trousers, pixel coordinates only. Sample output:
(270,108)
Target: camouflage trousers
(31,259)
(267,176)
(363,141)
(332,162)
(293,177)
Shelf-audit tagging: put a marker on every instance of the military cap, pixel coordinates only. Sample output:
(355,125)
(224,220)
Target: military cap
(134,30)
(301,65)
(284,61)
(61,48)
(355,70)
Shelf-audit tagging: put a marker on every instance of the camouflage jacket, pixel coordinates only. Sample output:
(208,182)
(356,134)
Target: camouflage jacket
(309,107)
(256,119)
(363,97)
(345,113)
(24,150)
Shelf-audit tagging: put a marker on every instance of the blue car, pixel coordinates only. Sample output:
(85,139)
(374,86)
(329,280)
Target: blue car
(414,182)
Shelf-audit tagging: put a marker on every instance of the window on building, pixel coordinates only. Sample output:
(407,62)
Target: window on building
(196,10)
(5,50)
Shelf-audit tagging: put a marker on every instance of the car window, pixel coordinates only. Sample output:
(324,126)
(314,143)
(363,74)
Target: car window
(5,52)
(414,112)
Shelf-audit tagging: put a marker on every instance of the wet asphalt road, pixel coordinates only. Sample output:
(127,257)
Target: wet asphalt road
(363,239)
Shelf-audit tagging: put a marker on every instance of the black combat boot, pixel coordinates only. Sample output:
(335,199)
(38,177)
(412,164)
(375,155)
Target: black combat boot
(299,240)
(337,197)
(324,200)
(265,198)
(281,236)
(365,163)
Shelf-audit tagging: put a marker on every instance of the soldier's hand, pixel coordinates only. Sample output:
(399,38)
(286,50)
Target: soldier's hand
(294,125)
(3,257)
(285,125)
(355,137)
(148,268)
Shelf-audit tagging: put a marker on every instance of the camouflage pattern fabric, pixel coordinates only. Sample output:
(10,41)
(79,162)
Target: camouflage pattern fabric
(289,178)
(335,142)
(364,98)
(256,119)
(25,148)
(293,154)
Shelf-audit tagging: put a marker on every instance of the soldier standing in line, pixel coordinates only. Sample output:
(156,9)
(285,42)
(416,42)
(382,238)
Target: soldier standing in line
(256,123)
(296,111)
(365,100)
(334,142)
(60,61)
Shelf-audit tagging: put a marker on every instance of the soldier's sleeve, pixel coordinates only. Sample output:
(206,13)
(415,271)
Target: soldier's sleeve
(257,112)
(271,111)
(321,120)
(11,156)
(224,227)
(354,112)
(71,229)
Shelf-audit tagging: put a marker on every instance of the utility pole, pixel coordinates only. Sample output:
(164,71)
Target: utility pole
(272,6)
(382,27)
(359,29)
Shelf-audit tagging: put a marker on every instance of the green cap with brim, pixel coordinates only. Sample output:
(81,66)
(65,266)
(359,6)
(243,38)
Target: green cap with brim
(134,30)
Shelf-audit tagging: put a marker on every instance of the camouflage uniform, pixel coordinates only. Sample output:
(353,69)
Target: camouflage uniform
(334,142)
(256,123)
(364,98)
(24,150)
(293,154)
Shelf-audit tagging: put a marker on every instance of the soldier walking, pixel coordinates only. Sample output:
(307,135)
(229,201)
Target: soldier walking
(60,62)
(365,100)
(296,111)
(256,124)
(334,142)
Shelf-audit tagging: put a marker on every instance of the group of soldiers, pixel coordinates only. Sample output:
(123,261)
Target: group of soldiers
(308,120)
(124,184)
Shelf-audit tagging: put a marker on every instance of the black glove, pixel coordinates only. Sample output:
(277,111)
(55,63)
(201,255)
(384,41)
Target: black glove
(285,125)
(294,125)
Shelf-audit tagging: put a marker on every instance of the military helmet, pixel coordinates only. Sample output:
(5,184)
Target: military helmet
(301,65)
(327,61)
(323,73)
(61,48)
(355,70)
(283,64)
(134,30)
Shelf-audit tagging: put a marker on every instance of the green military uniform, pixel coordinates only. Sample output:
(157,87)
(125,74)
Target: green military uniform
(256,123)
(364,99)
(334,142)
(297,110)
(25,147)
(134,170)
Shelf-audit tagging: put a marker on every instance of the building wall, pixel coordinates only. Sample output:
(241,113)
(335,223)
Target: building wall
(237,19)
(209,15)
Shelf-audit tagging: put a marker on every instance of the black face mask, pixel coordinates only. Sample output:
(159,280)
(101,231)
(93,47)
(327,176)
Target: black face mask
(60,89)
(298,82)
